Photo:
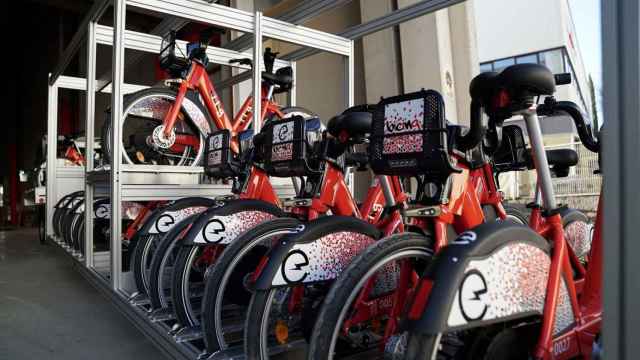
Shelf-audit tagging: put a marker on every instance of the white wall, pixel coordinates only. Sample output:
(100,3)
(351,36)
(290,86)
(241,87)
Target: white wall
(507,28)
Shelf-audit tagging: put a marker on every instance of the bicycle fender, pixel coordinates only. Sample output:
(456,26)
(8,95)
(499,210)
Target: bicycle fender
(221,225)
(164,218)
(493,273)
(319,252)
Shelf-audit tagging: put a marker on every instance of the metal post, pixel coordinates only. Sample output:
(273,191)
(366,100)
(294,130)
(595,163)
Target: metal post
(119,20)
(292,93)
(621,144)
(257,72)
(90,130)
(52,141)
(350,95)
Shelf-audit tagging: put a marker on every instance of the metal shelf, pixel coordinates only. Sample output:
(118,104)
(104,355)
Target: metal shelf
(145,183)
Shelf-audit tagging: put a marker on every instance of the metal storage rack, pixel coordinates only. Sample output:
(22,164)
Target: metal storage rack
(142,183)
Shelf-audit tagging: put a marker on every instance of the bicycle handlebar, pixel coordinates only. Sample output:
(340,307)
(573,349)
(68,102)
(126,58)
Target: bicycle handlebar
(551,107)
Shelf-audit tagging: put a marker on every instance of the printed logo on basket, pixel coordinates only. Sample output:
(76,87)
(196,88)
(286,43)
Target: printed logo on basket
(283,132)
(293,266)
(393,126)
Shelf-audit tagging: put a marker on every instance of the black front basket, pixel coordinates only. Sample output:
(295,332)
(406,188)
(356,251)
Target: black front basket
(219,158)
(409,136)
(285,147)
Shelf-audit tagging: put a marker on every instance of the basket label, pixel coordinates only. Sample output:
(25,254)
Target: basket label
(215,141)
(215,158)
(405,116)
(282,152)
(283,132)
(402,144)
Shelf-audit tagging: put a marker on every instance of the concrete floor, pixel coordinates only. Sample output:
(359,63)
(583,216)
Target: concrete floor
(49,311)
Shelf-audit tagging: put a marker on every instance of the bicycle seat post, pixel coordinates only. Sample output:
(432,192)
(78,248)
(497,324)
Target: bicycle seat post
(539,157)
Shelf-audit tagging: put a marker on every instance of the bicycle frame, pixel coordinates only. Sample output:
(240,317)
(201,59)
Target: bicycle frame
(471,189)
(588,309)
(197,79)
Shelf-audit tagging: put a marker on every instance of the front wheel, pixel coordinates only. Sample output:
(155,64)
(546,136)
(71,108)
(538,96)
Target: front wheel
(226,295)
(143,140)
(363,306)
(506,341)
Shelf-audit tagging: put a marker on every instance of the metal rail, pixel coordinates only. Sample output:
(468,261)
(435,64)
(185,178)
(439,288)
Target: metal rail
(356,32)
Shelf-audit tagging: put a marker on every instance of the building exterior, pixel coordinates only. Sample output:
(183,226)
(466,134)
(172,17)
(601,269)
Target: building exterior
(550,40)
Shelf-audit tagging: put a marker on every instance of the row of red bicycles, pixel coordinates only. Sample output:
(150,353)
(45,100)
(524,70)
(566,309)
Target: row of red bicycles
(430,265)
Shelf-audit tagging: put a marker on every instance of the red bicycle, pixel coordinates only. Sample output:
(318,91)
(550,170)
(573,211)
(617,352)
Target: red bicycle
(225,235)
(508,292)
(167,126)
(456,191)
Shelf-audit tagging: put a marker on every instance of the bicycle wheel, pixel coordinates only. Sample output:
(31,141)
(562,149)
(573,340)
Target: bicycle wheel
(162,264)
(142,136)
(159,222)
(358,311)
(142,255)
(236,218)
(281,318)
(515,215)
(225,302)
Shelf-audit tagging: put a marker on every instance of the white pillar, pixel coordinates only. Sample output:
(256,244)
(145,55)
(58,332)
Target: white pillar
(381,65)
(464,50)
(439,51)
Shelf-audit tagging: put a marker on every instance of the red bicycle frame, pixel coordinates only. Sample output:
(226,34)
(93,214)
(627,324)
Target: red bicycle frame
(587,308)
(197,79)
(470,189)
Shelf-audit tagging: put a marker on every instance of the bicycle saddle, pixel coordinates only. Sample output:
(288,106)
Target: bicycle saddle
(519,80)
(283,77)
(527,80)
(354,124)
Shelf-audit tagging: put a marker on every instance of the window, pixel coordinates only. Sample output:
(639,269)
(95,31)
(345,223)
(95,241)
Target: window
(486,67)
(499,65)
(553,60)
(527,59)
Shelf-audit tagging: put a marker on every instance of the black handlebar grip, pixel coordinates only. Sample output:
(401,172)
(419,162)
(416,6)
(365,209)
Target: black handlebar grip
(571,109)
(472,138)
(563,79)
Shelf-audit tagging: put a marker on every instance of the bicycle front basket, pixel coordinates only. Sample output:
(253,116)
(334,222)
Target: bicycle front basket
(409,136)
(219,161)
(285,146)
